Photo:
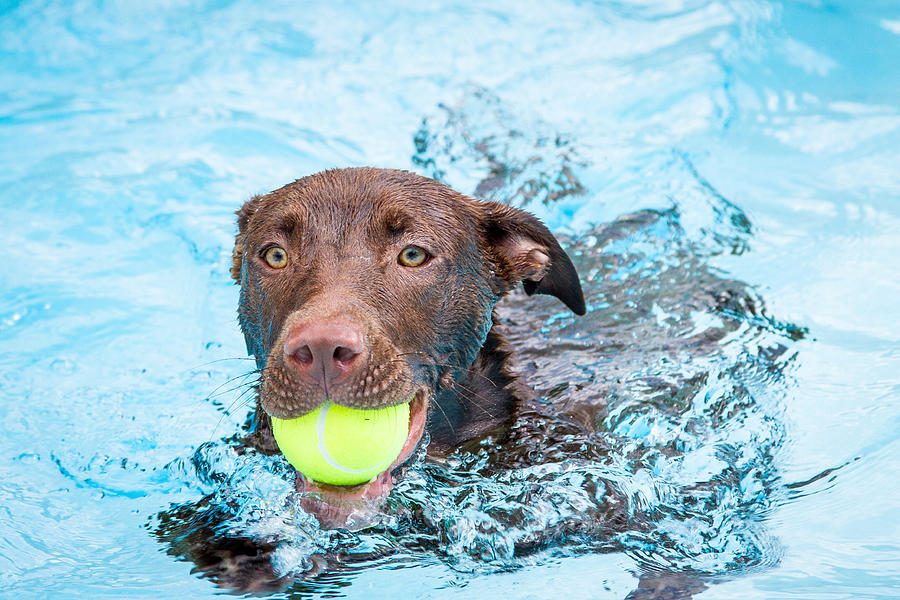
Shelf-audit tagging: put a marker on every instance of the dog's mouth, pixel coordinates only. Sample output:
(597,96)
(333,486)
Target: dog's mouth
(337,505)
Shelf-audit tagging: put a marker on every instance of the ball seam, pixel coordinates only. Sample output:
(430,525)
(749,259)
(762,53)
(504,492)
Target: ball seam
(320,435)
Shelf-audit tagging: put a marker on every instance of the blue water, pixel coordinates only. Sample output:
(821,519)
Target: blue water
(726,174)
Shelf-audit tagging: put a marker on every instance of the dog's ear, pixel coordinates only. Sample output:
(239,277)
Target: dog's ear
(525,250)
(243,220)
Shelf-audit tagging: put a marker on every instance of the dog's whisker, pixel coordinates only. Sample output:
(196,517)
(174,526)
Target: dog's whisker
(247,384)
(212,362)
(471,396)
(215,393)
(450,366)
(446,417)
(227,411)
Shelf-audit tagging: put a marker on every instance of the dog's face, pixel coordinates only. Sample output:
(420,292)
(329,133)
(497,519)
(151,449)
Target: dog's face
(371,287)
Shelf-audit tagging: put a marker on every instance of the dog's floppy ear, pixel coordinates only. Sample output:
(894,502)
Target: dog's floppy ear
(243,220)
(525,250)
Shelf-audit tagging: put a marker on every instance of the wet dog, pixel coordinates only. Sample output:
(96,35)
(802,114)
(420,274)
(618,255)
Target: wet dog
(371,287)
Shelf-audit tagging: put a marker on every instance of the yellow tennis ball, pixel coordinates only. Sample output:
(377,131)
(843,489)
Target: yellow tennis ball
(343,446)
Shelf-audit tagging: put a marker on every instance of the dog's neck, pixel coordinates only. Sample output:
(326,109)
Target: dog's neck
(480,401)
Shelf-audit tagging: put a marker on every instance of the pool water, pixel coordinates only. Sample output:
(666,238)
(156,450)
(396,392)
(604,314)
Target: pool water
(723,423)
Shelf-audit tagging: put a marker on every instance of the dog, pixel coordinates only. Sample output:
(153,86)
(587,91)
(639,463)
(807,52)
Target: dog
(370,287)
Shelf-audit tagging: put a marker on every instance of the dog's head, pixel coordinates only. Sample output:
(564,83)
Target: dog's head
(370,287)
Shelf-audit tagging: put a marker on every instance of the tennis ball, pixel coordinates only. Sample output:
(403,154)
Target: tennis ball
(343,446)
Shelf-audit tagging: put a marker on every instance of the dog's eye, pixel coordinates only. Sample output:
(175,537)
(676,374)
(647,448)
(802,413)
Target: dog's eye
(412,256)
(276,257)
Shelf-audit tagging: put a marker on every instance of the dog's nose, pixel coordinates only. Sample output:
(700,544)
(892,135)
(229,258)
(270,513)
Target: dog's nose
(325,353)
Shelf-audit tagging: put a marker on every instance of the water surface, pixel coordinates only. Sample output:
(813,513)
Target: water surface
(724,174)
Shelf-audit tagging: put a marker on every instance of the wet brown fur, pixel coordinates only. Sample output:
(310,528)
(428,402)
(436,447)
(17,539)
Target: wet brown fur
(427,327)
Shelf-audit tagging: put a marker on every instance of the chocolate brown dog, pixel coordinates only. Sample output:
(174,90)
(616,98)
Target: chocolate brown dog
(369,287)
